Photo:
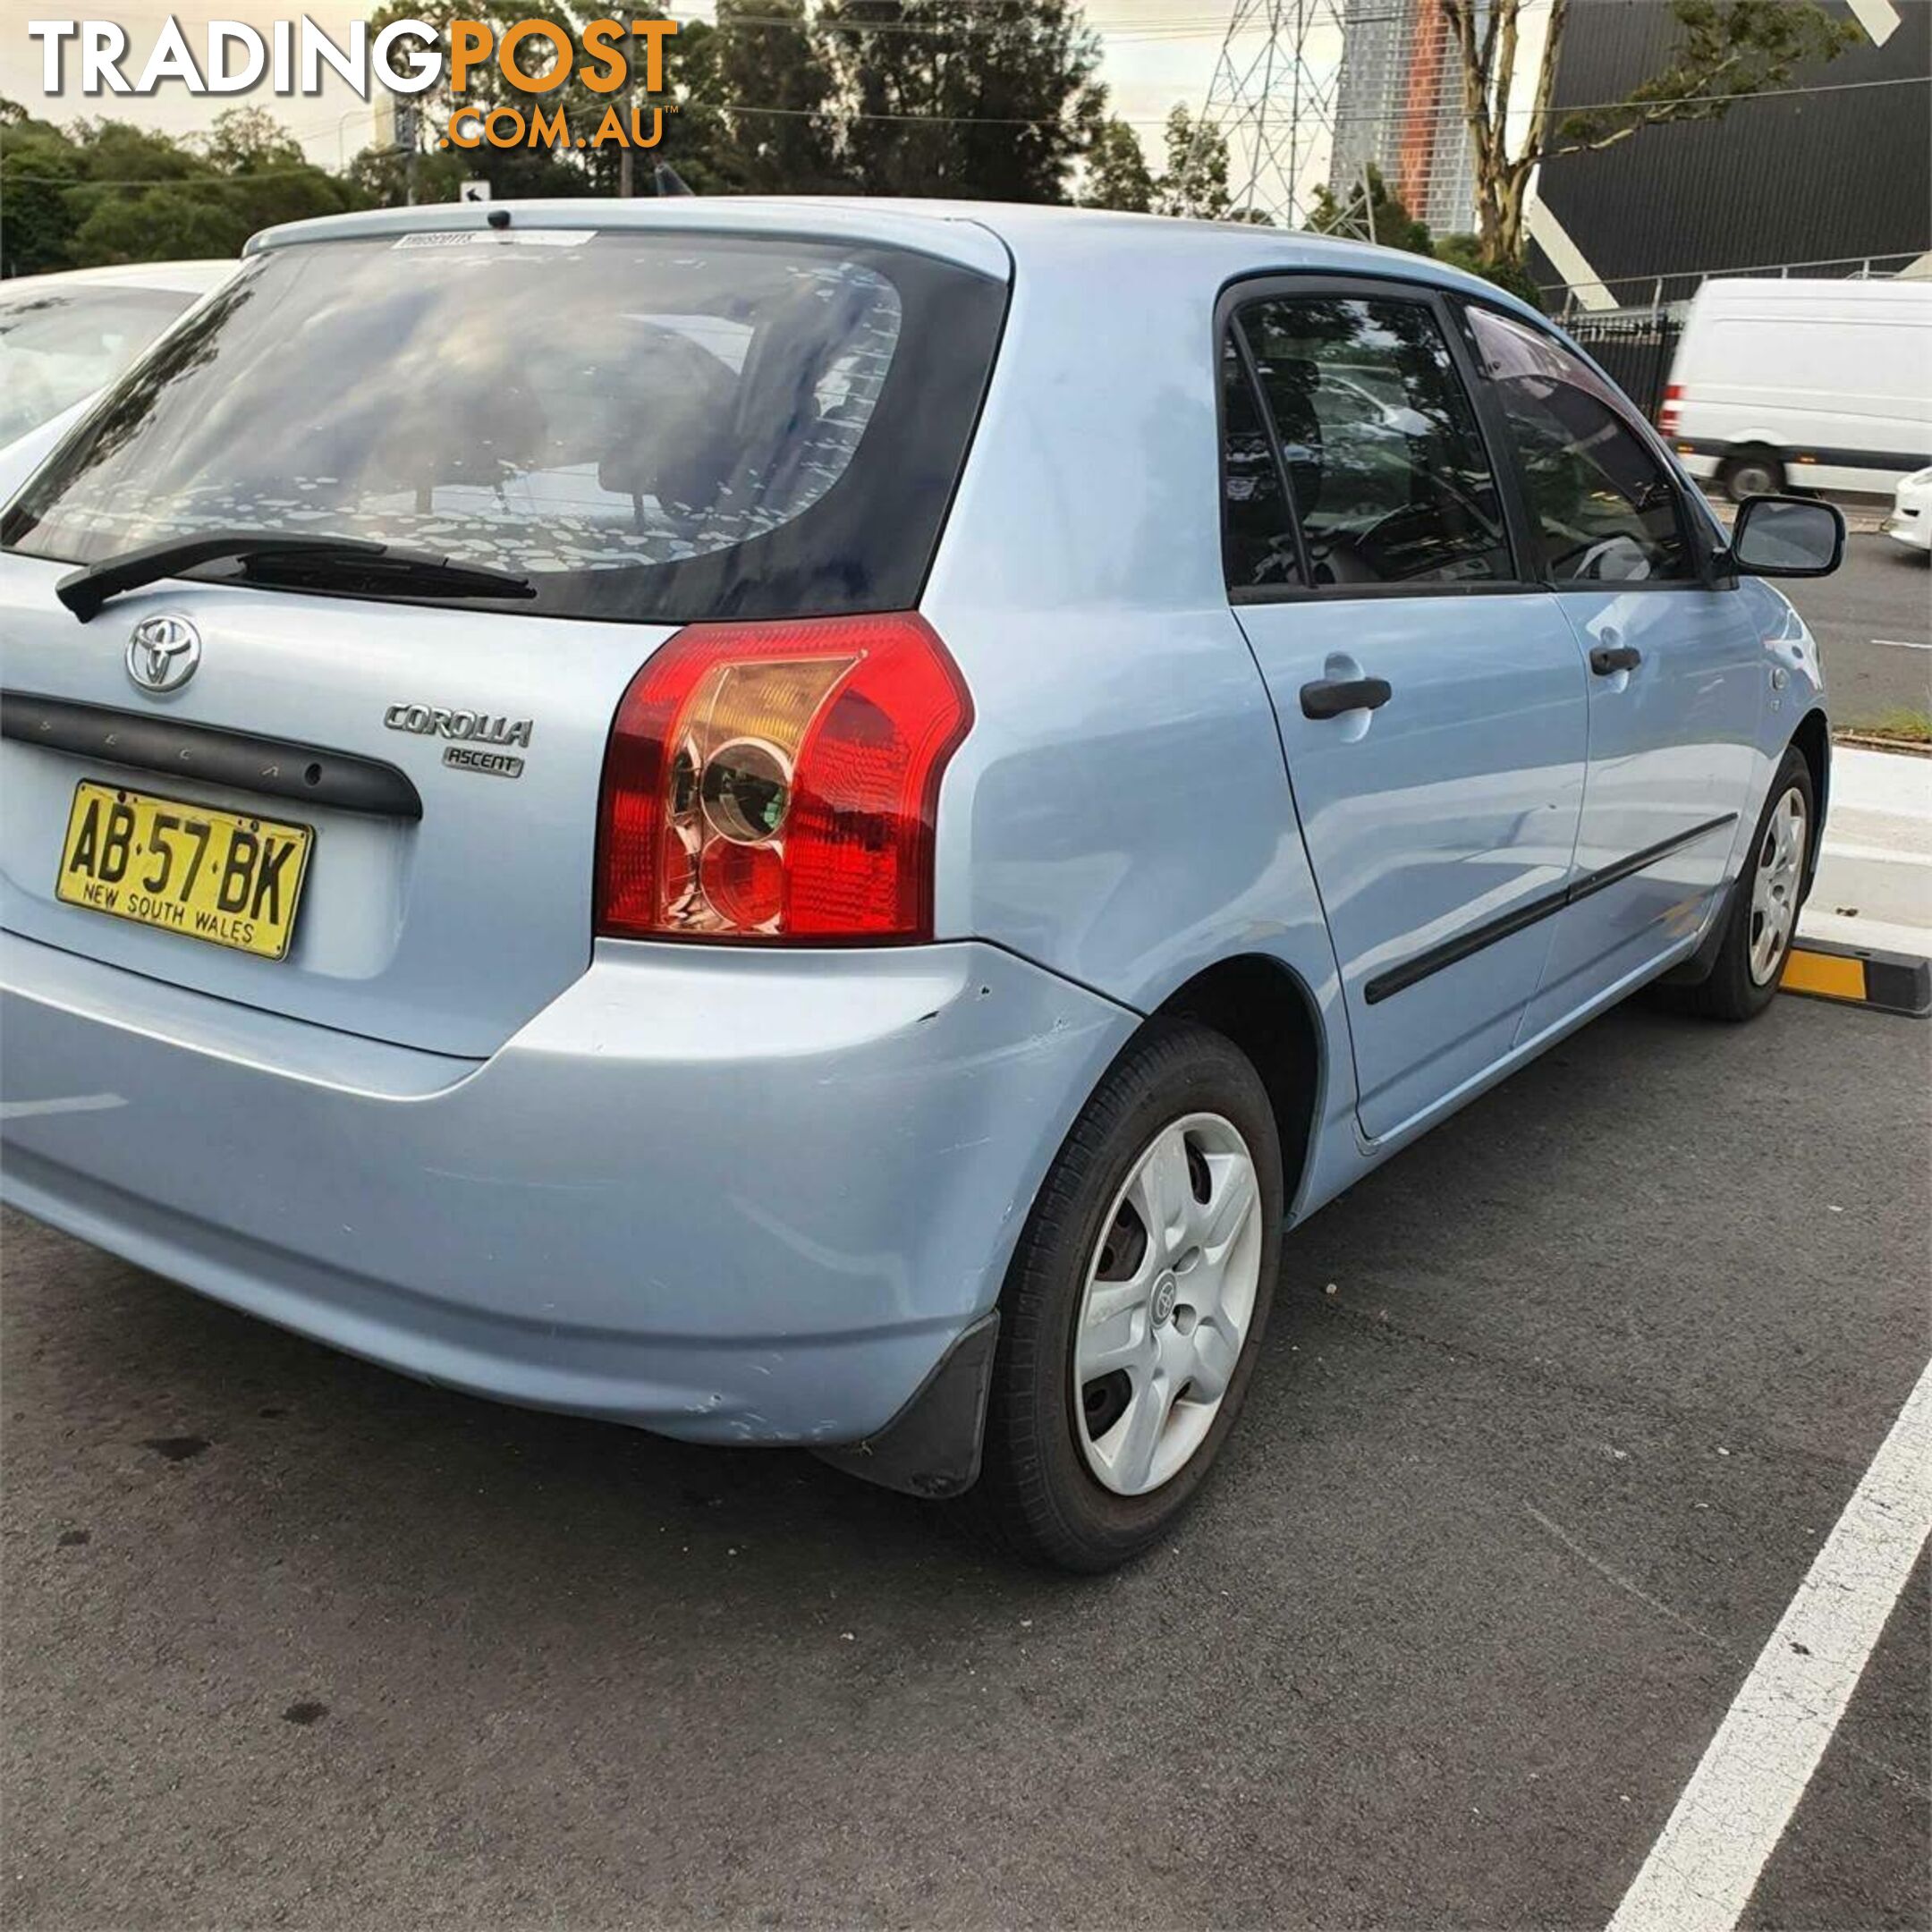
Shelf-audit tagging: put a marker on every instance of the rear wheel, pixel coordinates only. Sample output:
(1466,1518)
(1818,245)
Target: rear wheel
(1135,1304)
(1761,916)
(1751,472)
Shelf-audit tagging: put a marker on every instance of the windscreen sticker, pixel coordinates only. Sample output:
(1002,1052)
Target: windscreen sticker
(457,238)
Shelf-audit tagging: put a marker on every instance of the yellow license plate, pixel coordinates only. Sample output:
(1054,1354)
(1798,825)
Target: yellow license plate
(188,868)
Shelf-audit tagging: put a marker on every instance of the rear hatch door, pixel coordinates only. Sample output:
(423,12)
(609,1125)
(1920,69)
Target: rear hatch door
(444,926)
(644,427)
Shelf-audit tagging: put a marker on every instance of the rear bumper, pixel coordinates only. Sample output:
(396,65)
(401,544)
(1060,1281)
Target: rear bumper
(1914,532)
(727,1197)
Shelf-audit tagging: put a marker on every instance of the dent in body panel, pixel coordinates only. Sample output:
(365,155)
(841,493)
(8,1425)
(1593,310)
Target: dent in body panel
(658,1204)
(1121,812)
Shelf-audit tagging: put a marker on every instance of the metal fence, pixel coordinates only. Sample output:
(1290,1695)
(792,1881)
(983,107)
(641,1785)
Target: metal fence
(1635,347)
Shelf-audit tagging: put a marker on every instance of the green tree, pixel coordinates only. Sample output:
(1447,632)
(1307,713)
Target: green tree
(102,191)
(1195,180)
(39,166)
(249,140)
(1117,175)
(1724,50)
(1379,215)
(1465,252)
(64,187)
(176,223)
(384,177)
(265,177)
(992,100)
(512,173)
(693,133)
(772,88)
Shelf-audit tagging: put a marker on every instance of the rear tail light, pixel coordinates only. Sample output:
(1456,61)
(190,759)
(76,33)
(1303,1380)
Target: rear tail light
(1667,415)
(778,782)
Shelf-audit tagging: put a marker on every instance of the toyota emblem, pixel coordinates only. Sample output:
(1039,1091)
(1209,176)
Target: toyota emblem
(162,654)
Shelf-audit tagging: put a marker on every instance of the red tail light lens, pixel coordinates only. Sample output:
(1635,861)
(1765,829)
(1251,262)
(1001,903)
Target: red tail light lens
(1667,415)
(778,782)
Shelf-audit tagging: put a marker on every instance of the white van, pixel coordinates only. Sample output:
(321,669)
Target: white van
(1790,384)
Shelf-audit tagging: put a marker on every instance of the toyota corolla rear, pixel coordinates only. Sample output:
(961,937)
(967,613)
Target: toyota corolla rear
(471,759)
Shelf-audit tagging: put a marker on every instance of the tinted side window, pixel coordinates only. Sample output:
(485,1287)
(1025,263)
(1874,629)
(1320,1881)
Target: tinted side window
(1387,465)
(1601,499)
(1257,534)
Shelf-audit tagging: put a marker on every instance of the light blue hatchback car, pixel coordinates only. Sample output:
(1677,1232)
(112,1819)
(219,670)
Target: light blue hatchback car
(812,822)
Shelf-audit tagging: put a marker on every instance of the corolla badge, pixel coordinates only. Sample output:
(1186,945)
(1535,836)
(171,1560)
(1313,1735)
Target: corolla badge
(163,653)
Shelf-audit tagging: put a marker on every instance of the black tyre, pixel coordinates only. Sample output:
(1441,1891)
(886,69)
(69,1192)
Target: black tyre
(1135,1304)
(1753,471)
(1761,915)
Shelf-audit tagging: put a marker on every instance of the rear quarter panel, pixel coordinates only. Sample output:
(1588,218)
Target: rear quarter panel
(1121,812)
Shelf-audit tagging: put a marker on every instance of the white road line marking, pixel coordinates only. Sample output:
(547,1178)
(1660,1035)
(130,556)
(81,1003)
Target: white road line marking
(1899,643)
(1702,1869)
(83,1103)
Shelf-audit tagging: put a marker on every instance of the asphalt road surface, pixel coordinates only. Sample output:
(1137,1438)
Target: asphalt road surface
(1873,621)
(1517,1501)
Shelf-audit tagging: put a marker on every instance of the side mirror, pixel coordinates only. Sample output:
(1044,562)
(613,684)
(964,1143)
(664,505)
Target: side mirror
(1787,537)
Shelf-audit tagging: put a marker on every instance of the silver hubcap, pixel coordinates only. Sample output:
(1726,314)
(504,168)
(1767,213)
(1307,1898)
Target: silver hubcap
(1170,1295)
(1775,886)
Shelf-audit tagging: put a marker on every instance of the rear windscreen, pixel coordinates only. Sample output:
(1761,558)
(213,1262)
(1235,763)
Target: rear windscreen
(651,427)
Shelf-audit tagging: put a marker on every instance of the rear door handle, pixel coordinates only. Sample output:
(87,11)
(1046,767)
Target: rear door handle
(1331,696)
(1607,658)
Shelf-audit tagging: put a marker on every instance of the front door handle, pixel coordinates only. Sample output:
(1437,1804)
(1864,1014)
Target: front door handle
(1331,696)
(1607,658)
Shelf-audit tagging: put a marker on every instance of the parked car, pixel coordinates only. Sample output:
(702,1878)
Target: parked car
(1803,385)
(752,819)
(1910,521)
(63,336)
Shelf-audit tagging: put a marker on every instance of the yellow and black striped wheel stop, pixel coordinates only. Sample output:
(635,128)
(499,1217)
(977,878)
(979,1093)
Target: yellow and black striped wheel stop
(1892,982)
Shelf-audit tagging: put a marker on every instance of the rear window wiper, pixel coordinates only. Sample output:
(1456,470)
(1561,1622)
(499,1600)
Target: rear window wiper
(272,556)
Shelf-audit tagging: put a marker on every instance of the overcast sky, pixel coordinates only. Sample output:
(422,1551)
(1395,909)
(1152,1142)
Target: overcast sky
(1157,52)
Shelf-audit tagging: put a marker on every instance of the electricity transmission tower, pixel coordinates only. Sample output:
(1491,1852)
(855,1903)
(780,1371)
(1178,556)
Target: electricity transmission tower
(1272,101)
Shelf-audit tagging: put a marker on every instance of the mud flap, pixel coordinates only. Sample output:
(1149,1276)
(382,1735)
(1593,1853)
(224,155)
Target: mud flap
(931,1448)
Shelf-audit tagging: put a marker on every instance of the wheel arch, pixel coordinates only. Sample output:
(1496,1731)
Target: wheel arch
(1812,739)
(1264,1009)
